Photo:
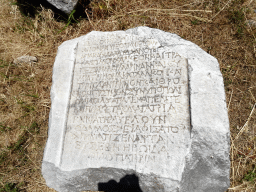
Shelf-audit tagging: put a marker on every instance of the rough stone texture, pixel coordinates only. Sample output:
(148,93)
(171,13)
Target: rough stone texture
(64,5)
(140,109)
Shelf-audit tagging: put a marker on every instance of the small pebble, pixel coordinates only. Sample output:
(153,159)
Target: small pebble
(251,23)
(25,59)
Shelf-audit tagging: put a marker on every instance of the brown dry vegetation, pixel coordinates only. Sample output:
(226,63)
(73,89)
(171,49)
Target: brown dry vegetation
(217,26)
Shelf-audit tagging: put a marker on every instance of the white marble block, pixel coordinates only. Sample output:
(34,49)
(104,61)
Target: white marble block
(141,106)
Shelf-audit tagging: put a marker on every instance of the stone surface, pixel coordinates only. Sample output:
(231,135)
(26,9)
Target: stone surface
(25,59)
(66,6)
(140,109)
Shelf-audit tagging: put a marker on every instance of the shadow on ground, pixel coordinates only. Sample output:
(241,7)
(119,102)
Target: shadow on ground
(129,183)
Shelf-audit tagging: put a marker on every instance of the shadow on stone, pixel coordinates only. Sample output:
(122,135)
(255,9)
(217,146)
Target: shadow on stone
(129,183)
(31,8)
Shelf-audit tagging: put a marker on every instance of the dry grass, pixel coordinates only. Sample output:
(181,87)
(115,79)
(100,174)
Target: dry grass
(217,26)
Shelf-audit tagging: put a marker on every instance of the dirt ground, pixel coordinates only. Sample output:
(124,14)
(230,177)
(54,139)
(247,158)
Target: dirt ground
(218,26)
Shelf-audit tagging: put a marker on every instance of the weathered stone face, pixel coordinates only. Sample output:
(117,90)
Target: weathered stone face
(64,5)
(141,102)
(129,106)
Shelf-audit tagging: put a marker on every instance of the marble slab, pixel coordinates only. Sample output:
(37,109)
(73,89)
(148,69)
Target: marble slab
(140,106)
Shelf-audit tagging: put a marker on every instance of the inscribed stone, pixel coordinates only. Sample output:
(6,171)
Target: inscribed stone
(141,103)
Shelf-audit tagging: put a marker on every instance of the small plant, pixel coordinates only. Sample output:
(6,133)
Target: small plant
(33,95)
(34,128)
(4,128)
(195,22)
(3,63)
(9,187)
(236,15)
(70,20)
(3,156)
(250,176)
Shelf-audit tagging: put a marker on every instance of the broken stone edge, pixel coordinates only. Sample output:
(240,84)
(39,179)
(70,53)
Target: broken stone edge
(207,163)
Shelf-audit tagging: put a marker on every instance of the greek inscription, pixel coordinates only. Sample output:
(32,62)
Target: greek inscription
(127,101)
